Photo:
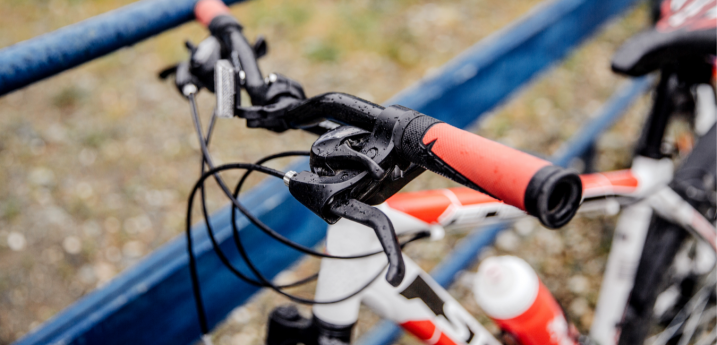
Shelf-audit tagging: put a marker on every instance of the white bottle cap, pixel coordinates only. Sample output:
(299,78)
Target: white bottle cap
(505,287)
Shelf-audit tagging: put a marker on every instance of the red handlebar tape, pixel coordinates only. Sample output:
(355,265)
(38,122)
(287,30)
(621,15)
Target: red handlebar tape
(206,10)
(502,171)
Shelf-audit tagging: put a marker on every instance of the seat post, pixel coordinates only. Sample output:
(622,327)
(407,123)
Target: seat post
(650,143)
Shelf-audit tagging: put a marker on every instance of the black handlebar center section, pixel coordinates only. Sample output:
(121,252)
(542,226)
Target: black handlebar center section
(340,107)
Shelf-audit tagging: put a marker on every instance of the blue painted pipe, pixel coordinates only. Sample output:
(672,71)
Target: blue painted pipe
(26,62)
(465,253)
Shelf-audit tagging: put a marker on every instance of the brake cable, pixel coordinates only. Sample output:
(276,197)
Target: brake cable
(206,159)
(210,231)
(258,223)
(251,266)
(220,253)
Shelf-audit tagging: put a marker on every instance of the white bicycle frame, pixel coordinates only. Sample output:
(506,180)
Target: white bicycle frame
(629,237)
(423,308)
(418,304)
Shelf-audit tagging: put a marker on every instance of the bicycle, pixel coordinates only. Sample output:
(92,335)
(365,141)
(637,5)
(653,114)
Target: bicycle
(330,151)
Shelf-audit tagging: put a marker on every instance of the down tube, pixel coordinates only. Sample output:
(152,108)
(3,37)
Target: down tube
(426,310)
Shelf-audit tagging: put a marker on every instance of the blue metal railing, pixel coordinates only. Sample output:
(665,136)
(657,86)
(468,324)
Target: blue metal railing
(605,117)
(46,55)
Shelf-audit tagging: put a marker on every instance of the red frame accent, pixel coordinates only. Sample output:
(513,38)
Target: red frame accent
(425,331)
(618,178)
(429,205)
(422,329)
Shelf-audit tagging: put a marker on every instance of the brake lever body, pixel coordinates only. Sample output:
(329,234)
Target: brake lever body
(352,168)
(352,163)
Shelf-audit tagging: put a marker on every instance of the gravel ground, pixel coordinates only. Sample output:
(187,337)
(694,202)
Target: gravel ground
(98,161)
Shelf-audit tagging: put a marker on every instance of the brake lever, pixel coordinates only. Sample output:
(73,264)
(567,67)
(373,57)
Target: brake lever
(351,168)
(167,71)
(372,217)
(260,47)
(329,198)
(198,72)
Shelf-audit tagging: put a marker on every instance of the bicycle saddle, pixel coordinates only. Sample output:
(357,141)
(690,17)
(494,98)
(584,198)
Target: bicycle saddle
(686,31)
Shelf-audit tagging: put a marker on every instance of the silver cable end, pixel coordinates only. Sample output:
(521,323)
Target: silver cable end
(189,89)
(288,176)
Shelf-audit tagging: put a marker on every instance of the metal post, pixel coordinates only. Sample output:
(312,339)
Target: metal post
(43,56)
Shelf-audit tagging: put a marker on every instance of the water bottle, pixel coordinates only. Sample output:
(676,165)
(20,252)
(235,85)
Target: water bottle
(510,293)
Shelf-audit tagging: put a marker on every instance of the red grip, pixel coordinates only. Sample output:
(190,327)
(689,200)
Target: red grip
(206,10)
(500,170)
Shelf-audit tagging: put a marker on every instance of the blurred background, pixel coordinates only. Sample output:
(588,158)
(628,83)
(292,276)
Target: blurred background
(97,162)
